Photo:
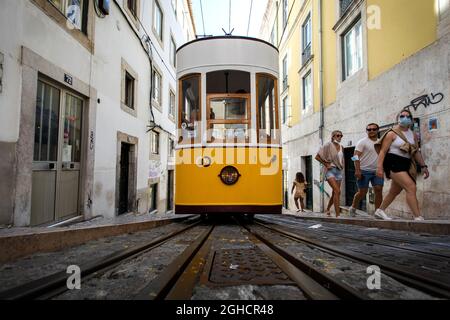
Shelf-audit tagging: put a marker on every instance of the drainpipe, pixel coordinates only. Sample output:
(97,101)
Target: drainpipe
(322,121)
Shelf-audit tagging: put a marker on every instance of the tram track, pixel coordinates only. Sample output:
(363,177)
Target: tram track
(264,261)
(362,237)
(55,284)
(180,278)
(437,286)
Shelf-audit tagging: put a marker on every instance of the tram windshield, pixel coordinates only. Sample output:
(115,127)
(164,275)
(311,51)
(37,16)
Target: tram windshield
(267,107)
(228,106)
(228,118)
(190,113)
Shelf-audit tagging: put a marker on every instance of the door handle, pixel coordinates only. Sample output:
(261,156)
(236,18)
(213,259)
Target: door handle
(72,166)
(51,166)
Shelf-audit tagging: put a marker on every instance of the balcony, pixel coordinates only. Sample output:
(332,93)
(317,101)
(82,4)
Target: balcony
(285,83)
(344,6)
(306,55)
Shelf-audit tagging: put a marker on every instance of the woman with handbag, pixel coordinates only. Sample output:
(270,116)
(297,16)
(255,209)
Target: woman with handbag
(397,159)
(331,156)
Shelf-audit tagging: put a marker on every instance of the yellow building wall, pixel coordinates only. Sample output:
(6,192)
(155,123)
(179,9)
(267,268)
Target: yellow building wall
(292,46)
(407,26)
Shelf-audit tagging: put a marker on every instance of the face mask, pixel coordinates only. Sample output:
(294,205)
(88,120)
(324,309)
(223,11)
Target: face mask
(405,122)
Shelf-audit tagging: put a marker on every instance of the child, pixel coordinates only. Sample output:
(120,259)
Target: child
(300,188)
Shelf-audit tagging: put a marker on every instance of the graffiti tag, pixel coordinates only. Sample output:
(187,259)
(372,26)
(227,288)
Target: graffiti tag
(425,101)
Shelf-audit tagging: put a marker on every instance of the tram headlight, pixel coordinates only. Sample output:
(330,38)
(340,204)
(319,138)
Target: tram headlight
(229,175)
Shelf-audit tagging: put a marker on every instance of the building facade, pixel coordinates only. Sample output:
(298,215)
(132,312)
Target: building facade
(88,107)
(346,63)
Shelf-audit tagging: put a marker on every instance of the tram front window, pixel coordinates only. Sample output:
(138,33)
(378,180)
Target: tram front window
(189,120)
(268,127)
(228,118)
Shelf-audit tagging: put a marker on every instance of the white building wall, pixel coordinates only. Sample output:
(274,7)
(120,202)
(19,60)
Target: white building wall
(25,25)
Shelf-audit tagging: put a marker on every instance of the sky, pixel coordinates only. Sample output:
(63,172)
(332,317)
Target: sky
(216,15)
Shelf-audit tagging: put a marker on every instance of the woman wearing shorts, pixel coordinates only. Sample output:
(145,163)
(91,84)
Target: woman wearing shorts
(395,159)
(331,155)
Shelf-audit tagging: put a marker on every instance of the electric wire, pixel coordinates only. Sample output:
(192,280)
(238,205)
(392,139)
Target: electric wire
(249,16)
(203,20)
(229,15)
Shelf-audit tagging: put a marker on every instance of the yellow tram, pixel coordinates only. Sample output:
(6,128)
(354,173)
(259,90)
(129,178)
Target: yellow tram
(228,150)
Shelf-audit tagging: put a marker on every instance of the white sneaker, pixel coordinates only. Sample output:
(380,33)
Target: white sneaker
(352,212)
(420,218)
(380,214)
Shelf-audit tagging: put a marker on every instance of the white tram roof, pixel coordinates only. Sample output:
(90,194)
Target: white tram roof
(227,52)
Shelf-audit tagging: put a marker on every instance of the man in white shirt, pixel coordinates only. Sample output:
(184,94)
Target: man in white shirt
(365,159)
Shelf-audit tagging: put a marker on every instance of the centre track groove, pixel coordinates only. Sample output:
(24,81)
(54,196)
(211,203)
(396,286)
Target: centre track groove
(415,280)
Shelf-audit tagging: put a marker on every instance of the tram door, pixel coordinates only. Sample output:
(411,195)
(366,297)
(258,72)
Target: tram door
(56,154)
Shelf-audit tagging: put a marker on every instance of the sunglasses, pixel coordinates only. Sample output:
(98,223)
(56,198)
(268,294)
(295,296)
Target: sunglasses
(339,136)
(403,116)
(372,129)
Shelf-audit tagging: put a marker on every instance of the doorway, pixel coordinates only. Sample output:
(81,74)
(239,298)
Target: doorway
(285,190)
(56,155)
(351,183)
(125,149)
(309,178)
(170,189)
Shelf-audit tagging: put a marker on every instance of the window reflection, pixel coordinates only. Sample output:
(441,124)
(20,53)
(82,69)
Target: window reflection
(228,119)
(189,121)
(267,105)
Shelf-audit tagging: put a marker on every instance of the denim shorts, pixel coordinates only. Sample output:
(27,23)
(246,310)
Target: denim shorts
(334,173)
(369,176)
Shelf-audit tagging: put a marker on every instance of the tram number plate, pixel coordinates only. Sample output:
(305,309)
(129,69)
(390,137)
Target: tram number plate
(68,79)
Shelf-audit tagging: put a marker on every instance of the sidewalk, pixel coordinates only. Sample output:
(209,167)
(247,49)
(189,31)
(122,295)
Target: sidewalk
(17,242)
(441,227)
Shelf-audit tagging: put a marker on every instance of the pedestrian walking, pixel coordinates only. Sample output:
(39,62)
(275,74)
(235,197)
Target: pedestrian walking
(299,186)
(365,159)
(397,159)
(331,155)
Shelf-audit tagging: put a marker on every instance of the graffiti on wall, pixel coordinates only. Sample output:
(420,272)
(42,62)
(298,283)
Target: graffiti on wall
(425,101)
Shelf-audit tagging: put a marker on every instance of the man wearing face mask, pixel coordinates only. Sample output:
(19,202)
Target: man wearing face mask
(399,148)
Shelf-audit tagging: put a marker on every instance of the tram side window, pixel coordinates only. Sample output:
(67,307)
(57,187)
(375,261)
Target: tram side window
(267,104)
(189,121)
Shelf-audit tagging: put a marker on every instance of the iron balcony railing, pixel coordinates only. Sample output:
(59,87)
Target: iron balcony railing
(306,55)
(345,4)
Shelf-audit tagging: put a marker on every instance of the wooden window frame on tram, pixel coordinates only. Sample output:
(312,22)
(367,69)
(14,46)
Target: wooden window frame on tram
(180,103)
(247,121)
(277,124)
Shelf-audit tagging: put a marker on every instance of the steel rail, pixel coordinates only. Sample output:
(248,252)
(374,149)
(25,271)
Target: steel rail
(311,288)
(330,231)
(415,280)
(160,287)
(57,282)
(340,290)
